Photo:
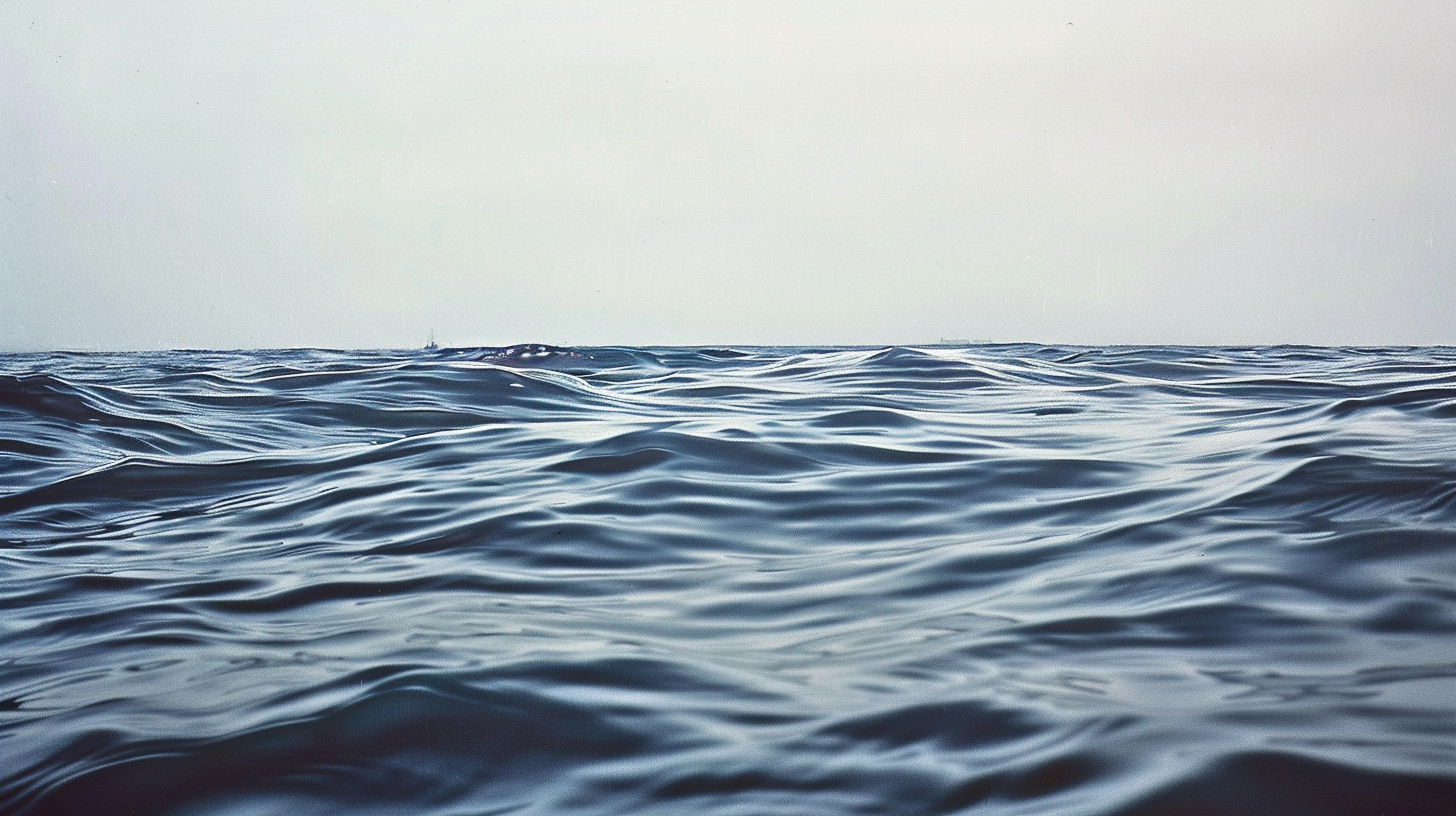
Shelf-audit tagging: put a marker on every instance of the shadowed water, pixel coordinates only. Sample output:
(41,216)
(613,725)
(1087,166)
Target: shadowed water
(998,579)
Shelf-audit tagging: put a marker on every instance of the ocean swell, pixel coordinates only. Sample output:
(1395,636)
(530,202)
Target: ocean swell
(994,579)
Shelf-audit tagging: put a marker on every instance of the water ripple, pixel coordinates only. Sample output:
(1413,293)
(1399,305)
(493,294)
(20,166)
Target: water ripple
(999,579)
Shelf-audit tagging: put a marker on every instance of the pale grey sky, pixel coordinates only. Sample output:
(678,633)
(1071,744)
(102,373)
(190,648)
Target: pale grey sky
(354,174)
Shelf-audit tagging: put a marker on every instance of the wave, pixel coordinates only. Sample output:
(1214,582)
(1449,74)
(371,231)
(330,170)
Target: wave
(539,579)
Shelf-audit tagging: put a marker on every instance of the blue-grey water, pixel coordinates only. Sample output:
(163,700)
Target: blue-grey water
(1007,579)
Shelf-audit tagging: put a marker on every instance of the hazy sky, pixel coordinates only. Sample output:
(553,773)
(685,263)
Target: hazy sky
(354,174)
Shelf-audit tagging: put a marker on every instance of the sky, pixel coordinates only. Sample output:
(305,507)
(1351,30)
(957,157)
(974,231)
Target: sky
(360,174)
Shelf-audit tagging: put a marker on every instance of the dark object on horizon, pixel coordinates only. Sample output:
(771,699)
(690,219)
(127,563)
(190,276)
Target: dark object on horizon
(530,351)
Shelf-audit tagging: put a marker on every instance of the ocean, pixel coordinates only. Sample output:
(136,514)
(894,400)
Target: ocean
(990,579)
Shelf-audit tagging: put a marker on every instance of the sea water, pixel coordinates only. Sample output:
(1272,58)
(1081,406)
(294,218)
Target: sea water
(999,579)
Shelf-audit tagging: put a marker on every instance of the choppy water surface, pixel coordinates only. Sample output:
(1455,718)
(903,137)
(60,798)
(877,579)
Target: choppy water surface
(999,579)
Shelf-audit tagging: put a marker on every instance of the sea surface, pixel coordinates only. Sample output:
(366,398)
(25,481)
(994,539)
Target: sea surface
(998,579)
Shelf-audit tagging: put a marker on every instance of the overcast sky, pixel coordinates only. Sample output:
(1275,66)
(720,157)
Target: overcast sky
(356,174)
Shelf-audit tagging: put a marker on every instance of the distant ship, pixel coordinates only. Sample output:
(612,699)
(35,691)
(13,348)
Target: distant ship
(432,345)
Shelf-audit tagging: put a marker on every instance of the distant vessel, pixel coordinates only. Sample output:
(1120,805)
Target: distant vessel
(432,345)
